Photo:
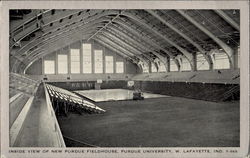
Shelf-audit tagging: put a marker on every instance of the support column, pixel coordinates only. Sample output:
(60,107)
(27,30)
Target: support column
(223,45)
(92,56)
(81,57)
(42,66)
(150,67)
(168,64)
(236,57)
(194,62)
(69,60)
(56,62)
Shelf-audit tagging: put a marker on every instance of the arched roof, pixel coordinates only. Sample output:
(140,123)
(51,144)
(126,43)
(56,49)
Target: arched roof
(138,35)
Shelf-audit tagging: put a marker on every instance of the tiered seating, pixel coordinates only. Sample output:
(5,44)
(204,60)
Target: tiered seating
(201,91)
(22,83)
(216,76)
(71,98)
(21,93)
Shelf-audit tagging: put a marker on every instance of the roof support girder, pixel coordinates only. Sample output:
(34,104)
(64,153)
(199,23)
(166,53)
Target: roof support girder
(129,46)
(77,23)
(65,35)
(53,47)
(207,57)
(227,18)
(149,41)
(114,49)
(117,51)
(120,47)
(145,47)
(188,55)
(72,28)
(223,45)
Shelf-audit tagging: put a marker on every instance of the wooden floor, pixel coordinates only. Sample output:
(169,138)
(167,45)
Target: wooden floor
(157,122)
(113,94)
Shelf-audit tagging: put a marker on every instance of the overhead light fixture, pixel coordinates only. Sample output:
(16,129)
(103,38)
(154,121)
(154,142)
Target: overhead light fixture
(228,41)
(203,22)
(234,12)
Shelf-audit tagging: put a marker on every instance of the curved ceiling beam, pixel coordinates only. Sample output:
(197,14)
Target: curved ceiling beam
(62,29)
(65,41)
(146,39)
(227,18)
(62,32)
(223,45)
(61,35)
(117,32)
(117,16)
(56,38)
(120,43)
(38,25)
(50,49)
(115,50)
(63,26)
(27,18)
(144,47)
(128,45)
(55,41)
(188,55)
(124,45)
(112,48)
(74,21)
(207,57)
(113,43)
(15,39)
(58,15)
(149,41)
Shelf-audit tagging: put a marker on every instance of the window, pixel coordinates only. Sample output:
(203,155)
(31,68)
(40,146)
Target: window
(162,67)
(173,66)
(87,64)
(202,63)
(49,66)
(98,61)
(185,65)
(75,60)
(119,67)
(220,60)
(62,64)
(153,67)
(109,66)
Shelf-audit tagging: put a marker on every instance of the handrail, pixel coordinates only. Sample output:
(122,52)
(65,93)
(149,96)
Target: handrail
(53,117)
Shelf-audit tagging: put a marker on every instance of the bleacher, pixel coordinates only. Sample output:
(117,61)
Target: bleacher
(216,76)
(21,88)
(21,94)
(21,83)
(79,77)
(72,99)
